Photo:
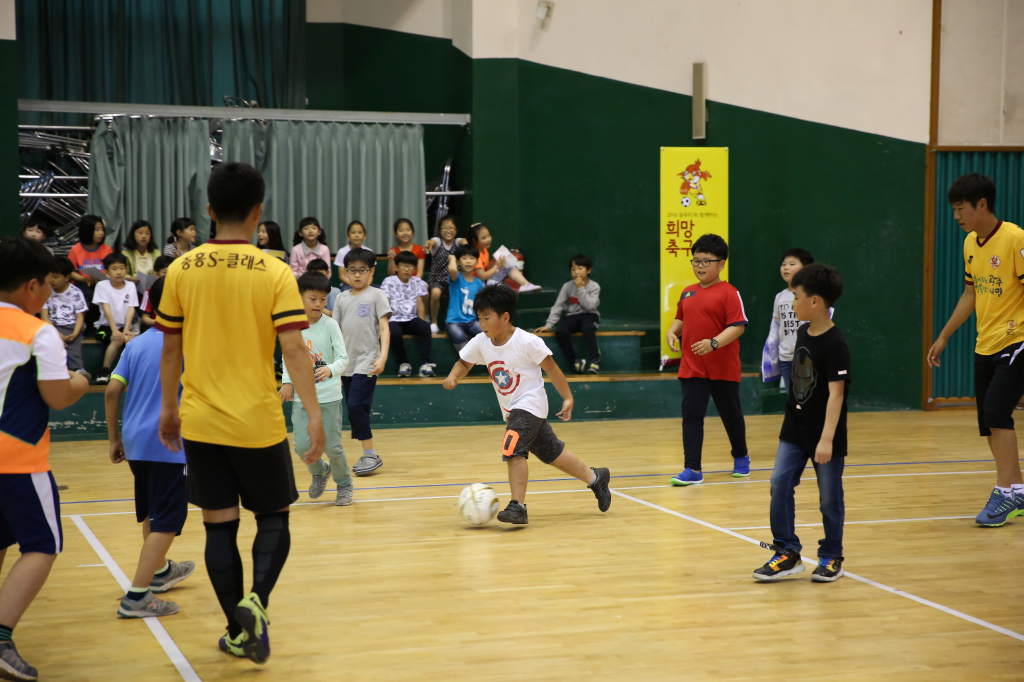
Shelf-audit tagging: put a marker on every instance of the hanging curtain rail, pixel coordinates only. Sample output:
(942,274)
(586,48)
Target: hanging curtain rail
(55,196)
(107,109)
(84,129)
(458,193)
(82,178)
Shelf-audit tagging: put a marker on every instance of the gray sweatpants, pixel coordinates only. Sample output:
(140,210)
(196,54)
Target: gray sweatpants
(74,349)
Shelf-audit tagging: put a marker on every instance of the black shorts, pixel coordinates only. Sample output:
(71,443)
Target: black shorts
(998,387)
(161,493)
(526,433)
(219,475)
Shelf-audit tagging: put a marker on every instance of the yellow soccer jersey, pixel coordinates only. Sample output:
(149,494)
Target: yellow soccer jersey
(229,300)
(996,269)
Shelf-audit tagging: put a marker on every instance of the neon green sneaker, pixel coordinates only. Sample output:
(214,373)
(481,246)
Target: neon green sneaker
(232,646)
(253,618)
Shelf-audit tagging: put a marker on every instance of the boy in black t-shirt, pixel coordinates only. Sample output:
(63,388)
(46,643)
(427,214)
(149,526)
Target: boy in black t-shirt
(814,428)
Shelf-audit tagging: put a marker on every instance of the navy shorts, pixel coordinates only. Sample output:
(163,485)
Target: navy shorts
(30,513)
(161,493)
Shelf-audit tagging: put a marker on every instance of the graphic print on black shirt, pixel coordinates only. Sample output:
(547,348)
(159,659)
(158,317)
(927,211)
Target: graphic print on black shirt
(817,361)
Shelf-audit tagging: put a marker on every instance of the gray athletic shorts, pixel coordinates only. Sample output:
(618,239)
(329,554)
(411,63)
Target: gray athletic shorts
(526,433)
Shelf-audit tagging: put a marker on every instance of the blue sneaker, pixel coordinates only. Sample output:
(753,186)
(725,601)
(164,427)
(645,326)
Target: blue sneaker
(998,511)
(688,477)
(741,467)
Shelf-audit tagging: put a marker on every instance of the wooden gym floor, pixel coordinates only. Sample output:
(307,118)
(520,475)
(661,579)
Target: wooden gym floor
(397,587)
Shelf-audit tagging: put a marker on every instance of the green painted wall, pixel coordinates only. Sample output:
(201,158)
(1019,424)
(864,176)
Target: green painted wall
(9,161)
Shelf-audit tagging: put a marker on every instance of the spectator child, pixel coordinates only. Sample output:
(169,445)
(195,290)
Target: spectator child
(582,296)
(461,322)
(777,357)
(814,429)
(320,265)
(34,231)
(161,478)
(709,321)
(518,358)
(268,238)
(65,310)
(440,249)
(363,312)
(147,308)
(140,251)
(182,238)
(309,243)
(329,359)
(497,271)
(117,302)
(89,252)
(35,379)
(405,292)
(404,232)
(356,233)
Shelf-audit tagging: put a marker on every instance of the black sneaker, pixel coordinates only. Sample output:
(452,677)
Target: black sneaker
(785,562)
(828,570)
(600,488)
(514,513)
(103,376)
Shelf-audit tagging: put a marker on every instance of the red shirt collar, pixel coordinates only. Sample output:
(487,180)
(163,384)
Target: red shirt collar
(990,234)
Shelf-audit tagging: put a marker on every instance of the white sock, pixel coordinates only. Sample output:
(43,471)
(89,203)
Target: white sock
(1007,492)
(593,477)
(1017,488)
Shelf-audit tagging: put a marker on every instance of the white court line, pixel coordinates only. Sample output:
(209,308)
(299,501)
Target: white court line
(155,626)
(852,523)
(867,581)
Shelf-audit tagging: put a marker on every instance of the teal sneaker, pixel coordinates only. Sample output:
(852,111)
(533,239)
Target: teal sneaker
(998,511)
(253,618)
(232,646)
(688,477)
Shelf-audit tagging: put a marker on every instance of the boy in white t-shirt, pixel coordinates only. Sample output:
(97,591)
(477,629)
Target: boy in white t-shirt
(117,302)
(514,358)
(777,357)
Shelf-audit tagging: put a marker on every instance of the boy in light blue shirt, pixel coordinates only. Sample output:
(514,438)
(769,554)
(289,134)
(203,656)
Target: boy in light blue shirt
(329,358)
(161,481)
(461,319)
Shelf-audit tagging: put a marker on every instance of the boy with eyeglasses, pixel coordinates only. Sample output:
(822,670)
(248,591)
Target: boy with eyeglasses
(709,322)
(363,313)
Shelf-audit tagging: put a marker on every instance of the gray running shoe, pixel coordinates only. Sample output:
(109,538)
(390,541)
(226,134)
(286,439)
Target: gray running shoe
(344,496)
(316,488)
(427,369)
(13,666)
(178,572)
(84,374)
(367,464)
(405,369)
(147,607)
(514,513)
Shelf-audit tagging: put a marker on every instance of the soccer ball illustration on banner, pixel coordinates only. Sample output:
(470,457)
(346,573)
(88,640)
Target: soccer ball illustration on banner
(478,503)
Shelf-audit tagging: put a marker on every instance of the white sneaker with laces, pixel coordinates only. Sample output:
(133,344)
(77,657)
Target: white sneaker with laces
(434,329)
(528,287)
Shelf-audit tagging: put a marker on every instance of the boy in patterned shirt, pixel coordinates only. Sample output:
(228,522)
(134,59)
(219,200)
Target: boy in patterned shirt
(994,271)
(406,292)
(65,310)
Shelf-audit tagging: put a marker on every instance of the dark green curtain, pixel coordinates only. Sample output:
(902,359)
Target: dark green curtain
(187,52)
(337,172)
(955,379)
(152,169)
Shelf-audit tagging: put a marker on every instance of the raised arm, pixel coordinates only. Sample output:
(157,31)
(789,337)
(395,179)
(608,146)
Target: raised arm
(589,297)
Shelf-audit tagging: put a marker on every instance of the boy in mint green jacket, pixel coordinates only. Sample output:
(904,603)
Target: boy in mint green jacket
(327,353)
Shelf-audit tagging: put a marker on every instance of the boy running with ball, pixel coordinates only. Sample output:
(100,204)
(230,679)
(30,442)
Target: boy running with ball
(514,359)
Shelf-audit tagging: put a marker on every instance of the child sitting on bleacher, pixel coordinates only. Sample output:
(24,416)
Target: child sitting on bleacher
(117,301)
(404,232)
(461,319)
(497,271)
(405,292)
(440,248)
(581,296)
(65,310)
(308,244)
(356,233)
(160,266)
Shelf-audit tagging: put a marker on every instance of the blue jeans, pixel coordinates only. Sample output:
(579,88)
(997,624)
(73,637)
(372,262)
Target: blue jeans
(786,367)
(461,332)
(790,461)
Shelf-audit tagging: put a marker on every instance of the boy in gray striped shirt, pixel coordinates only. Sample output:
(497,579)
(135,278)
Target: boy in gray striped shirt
(579,299)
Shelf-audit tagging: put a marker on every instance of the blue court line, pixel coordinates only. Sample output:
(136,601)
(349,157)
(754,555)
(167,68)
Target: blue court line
(554,480)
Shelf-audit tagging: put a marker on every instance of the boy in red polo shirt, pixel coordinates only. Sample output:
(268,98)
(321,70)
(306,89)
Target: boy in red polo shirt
(709,322)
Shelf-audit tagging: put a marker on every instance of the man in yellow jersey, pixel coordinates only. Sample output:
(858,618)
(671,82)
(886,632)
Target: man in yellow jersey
(222,307)
(994,286)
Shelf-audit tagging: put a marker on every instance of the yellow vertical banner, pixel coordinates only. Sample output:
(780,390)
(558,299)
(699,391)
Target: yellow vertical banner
(694,201)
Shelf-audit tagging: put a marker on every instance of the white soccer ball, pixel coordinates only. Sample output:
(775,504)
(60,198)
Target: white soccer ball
(478,503)
(686,201)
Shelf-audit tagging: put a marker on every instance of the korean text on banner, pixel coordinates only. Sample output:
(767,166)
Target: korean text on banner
(694,201)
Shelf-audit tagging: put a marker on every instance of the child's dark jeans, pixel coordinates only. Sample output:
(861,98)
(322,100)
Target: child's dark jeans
(790,461)
(416,327)
(586,323)
(358,391)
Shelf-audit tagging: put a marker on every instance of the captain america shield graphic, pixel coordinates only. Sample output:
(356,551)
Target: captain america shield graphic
(505,379)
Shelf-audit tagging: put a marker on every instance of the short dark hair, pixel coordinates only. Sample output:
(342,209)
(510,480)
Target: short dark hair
(234,189)
(162,262)
(973,187)
(582,261)
(801,255)
(466,250)
(364,256)
(318,265)
(499,298)
(180,225)
(114,259)
(63,266)
(23,260)
(404,220)
(713,244)
(818,279)
(314,281)
(35,222)
(156,292)
(406,258)
(87,227)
